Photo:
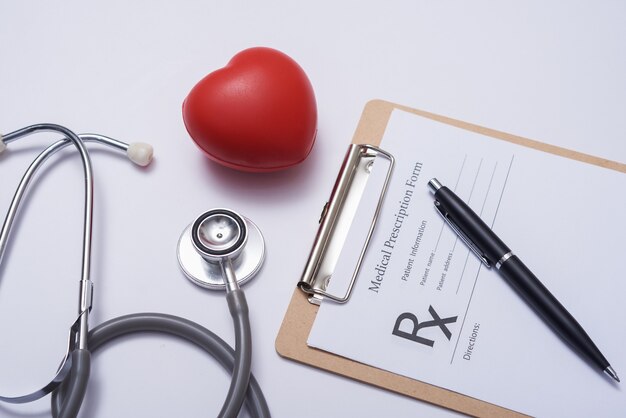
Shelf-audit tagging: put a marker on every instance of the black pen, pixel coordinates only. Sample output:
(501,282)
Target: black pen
(492,251)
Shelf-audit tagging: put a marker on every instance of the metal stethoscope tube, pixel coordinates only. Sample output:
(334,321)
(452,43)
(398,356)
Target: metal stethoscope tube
(82,326)
(79,330)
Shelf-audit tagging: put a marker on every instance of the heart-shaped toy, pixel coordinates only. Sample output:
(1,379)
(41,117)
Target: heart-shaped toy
(258,113)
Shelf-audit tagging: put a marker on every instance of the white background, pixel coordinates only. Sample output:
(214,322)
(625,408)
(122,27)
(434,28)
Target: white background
(548,71)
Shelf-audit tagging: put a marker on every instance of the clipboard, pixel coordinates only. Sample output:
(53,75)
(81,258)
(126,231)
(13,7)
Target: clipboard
(291,341)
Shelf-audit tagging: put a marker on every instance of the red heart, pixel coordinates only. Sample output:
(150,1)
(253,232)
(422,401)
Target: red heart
(258,113)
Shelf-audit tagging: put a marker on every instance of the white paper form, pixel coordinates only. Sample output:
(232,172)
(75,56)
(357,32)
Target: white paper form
(424,307)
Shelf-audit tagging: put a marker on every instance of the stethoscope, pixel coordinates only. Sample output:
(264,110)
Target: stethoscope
(219,250)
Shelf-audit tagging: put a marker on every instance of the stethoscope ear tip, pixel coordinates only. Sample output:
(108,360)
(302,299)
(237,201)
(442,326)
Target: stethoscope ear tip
(3,146)
(140,153)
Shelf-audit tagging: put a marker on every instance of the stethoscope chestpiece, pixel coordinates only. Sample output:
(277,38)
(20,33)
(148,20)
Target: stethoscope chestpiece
(216,237)
(219,234)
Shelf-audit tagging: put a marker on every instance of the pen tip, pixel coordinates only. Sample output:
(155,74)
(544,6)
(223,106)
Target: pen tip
(609,370)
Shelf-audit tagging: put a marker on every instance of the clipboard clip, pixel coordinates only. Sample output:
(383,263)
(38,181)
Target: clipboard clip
(470,244)
(336,219)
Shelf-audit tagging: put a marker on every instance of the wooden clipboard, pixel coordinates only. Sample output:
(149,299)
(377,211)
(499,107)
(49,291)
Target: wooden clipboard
(292,337)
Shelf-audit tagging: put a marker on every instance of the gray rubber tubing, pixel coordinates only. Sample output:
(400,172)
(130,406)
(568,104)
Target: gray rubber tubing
(243,354)
(76,383)
(179,327)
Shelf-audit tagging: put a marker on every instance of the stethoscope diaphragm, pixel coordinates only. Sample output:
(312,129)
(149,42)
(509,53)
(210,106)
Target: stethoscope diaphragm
(215,236)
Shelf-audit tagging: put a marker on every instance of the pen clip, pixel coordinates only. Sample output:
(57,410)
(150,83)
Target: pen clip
(473,247)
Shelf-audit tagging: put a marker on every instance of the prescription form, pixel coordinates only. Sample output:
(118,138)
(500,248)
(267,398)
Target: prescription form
(424,307)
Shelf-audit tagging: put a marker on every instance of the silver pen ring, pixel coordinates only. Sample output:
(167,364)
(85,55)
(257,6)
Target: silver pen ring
(503,259)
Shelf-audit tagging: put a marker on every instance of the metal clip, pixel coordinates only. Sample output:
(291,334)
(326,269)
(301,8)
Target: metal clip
(86,295)
(473,247)
(336,219)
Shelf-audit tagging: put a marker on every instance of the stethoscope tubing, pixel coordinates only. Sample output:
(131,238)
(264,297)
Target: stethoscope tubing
(185,329)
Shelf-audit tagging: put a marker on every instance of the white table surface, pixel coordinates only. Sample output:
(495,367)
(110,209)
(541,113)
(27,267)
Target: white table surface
(551,71)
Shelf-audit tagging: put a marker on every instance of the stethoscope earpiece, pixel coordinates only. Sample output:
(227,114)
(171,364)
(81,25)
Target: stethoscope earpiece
(220,240)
